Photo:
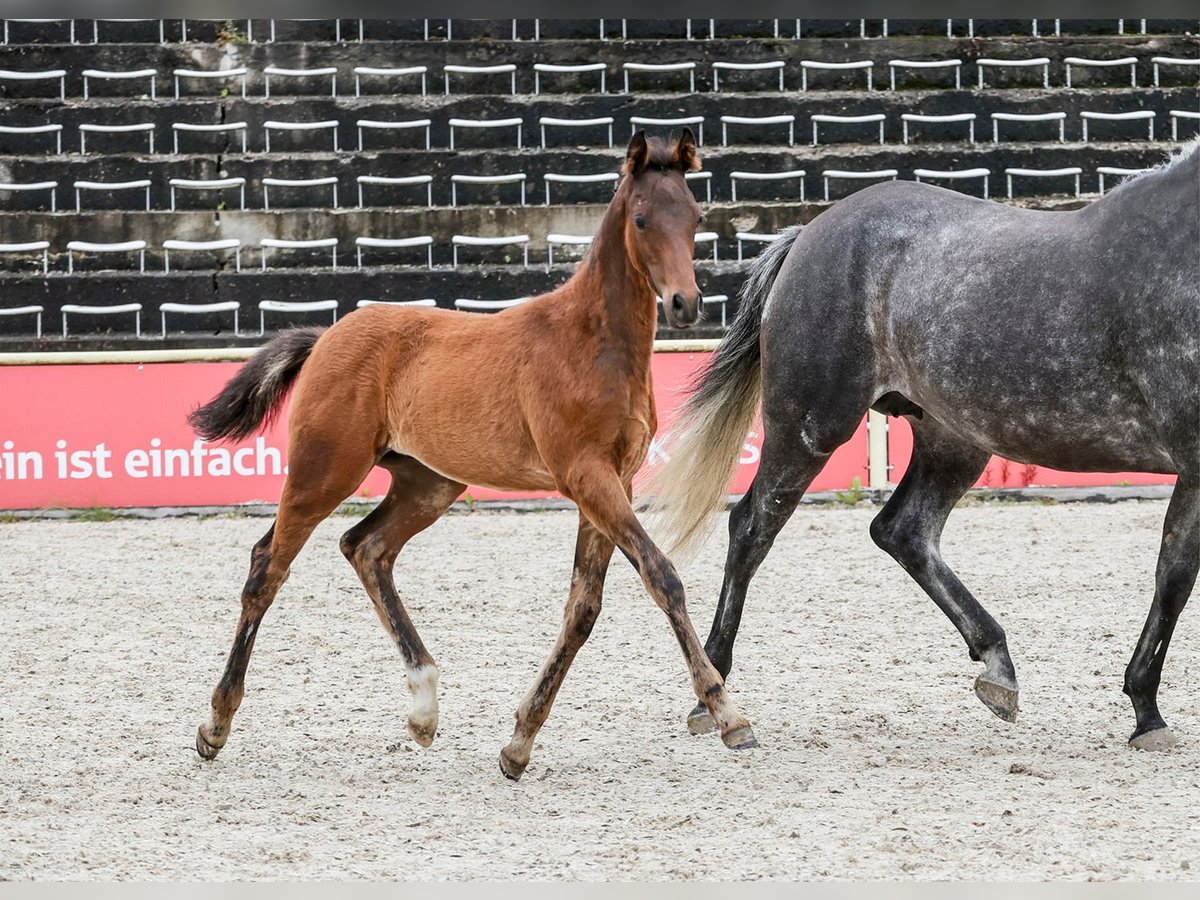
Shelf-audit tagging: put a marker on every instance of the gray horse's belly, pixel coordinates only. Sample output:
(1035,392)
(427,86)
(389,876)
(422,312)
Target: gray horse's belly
(1082,436)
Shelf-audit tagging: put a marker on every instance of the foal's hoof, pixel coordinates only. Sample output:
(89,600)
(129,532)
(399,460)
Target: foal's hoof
(1158,739)
(422,732)
(512,769)
(204,747)
(700,721)
(1000,699)
(740,738)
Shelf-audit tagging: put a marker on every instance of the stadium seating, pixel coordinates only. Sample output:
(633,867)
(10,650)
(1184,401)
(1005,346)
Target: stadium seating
(254,112)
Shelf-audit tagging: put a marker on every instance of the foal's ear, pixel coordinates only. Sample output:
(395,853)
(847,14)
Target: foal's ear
(685,152)
(637,155)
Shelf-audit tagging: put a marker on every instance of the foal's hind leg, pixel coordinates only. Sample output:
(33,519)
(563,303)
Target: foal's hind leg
(416,499)
(909,528)
(305,503)
(1178,560)
(592,554)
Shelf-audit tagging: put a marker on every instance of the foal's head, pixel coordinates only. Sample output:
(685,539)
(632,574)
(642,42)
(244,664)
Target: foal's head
(661,220)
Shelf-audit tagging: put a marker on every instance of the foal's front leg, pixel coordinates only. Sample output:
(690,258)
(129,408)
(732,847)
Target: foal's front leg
(592,554)
(605,501)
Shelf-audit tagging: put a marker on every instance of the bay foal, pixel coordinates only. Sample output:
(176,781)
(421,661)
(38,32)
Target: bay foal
(555,394)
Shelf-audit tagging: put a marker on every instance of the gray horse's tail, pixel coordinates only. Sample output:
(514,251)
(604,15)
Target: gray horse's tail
(254,396)
(713,423)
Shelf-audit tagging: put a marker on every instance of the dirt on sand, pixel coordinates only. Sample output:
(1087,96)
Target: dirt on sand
(877,761)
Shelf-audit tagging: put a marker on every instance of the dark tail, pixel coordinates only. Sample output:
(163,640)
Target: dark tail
(713,423)
(252,398)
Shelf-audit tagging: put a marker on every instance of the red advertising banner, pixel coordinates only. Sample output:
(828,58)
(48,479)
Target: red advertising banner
(116,436)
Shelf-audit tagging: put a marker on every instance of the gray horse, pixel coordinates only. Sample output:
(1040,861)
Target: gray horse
(1061,339)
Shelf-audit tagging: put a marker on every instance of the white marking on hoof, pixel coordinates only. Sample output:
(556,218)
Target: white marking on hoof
(1158,739)
(422,721)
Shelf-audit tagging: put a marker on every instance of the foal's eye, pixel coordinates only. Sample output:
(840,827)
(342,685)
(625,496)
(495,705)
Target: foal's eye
(640,221)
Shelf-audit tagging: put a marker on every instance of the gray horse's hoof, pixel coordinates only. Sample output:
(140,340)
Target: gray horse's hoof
(999,698)
(1158,739)
(700,721)
(204,747)
(511,769)
(740,739)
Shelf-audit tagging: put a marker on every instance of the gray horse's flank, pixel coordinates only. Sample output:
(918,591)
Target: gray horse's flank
(1061,339)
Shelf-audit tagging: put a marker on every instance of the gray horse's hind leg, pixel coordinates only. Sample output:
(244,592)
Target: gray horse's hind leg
(1178,560)
(909,528)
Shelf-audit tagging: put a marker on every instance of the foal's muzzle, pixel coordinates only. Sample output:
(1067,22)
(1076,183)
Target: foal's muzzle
(682,312)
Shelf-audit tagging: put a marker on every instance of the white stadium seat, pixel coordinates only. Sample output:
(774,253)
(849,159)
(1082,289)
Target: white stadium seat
(562,178)
(517,178)
(1146,115)
(91,310)
(540,69)
(955,64)
(790,175)
(402,181)
(1042,62)
(53,129)
(222,128)
(26,311)
(218,245)
(370,72)
(555,122)
(206,184)
(238,72)
(816,65)
(280,72)
(919,118)
(86,128)
(107,187)
(1059,117)
(767,66)
(284,244)
(42,247)
(293,307)
(509,240)
(136,246)
(846,175)
(1080,62)
(509,69)
(1115,171)
(327,181)
(374,124)
(788,120)
(954,175)
(131,75)
(878,118)
(1066,171)
(51,186)
(298,127)
(199,309)
(659,69)
(59,75)
(394,244)
(515,122)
